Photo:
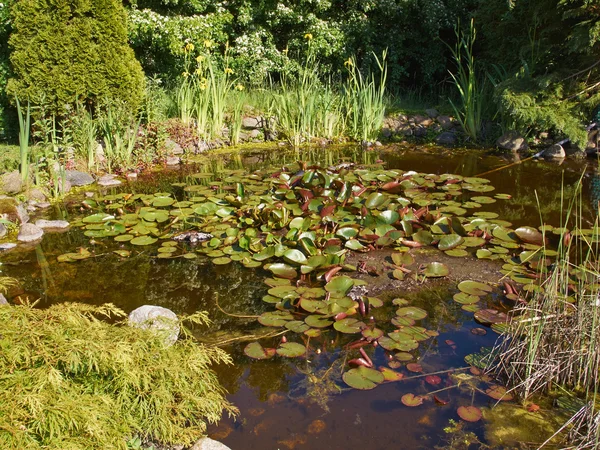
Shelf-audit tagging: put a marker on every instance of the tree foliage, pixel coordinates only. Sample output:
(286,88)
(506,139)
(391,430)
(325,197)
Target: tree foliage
(72,381)
(66,52)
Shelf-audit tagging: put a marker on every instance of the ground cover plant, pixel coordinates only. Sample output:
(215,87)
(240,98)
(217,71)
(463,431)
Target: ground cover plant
(71,380)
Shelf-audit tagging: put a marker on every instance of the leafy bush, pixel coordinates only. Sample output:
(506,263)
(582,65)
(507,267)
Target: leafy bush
(72,381)
(67,52)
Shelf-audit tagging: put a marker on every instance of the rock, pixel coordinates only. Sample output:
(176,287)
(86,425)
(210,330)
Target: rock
(52,224)
(378,144)
(42,205)
(252,122)
(29,233)
(254,133)
(386,132)
(202,147)
(131,176)
(555,151)
(7,246)
(173,147)
(161,320)
(420,131)
(432,112)
(13,211)
(3,230)
(446,138)
(193,237)
(445,122)
(78,178)
(173,160)
(108,180)
(64,187)
(3,301)
(209,444)
(512,141)
(22,214)
(37,195)
(11,182)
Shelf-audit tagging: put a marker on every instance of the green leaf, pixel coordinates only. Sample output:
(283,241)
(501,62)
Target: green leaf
(436,270)
(256,351)
(291,350)
(363,378)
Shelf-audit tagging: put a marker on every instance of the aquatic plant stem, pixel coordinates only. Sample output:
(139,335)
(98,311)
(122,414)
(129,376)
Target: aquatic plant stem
(436,373)
(239,316)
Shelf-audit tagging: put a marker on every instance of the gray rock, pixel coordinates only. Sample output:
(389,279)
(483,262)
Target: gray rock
(3,301)
(3,230)
(22,214)
(420,131)
(446,138)
(445,122)
(173,160)
(252,122)
(555,151)
(173,147)
(64,187)
(78,178)
(7,246)
(386,132)
(432,112)
(52,224)
(511,140)
(108,180)
(203,146)
(29,233)
(42,205)
(161,320)
(209,444)
(37,195)
(254,133)
(11,182)
(100,156)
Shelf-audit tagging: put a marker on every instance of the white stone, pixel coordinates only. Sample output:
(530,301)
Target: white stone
(56,224)
(209,444)
(29,233)
(156,318)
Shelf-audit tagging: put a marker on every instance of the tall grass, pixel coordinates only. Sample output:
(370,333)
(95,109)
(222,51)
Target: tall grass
(553,340)
(24,126)
(365,100)
(120,133)
(470,86)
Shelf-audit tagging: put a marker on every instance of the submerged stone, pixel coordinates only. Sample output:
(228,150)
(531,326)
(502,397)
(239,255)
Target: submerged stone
(78,178)
(207,443)
(30,233)
(7,246)
(161,320)
(52,224)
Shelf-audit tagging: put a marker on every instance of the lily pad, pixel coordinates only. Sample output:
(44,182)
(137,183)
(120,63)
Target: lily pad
(275,318)
(490,316)
(283,270)
(143,240)
(412,312)
(499,393)
(363,378)
(412,400)
(256,351)
(474,288)
(469,413)
(436,270)
(340,285)
(291,350)
(391,375)
(349,326)
(450,241)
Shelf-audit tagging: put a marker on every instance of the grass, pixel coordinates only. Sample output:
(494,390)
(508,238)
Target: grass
(24,125)
(70,380)
(553,341)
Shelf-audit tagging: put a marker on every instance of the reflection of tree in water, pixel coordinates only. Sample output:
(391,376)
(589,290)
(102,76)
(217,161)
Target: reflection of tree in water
(595,190)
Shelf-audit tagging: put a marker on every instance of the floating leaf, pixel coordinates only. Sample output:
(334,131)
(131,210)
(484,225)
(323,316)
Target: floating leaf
(294,256)
(530,235)
(436,270)
(412,400)
(318,321)
(363,378)
(434,380)
(372,334)
(275,318)
(391,375)
(469,413)
(474,288)
(375,200)
(257,351)
(490,316)
(283,270)
(465,299)
(291,350)
(450,241)
(340,285)
(414,367)
(221,261)
(349,326)
(412,312)
(498,393)
(143,240)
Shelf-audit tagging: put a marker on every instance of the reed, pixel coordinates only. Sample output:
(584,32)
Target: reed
(24,126)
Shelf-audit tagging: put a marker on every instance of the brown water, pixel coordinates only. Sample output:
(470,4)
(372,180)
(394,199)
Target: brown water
(301,404)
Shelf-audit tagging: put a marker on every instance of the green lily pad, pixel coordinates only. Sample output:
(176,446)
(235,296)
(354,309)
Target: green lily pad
(124,238)
(390,375)
(340,285)
(375,200)
(412,312)
(318,321)
(294,256)
(349,325)
(530,235)
(474,288)
(221,261)
(143,240)
(291,350)
(412,400)
(363,378)
(465,299)
(256,351)
(275,318)
(372,333)
(297,326)
(450,241)
(436,270)
(283,270)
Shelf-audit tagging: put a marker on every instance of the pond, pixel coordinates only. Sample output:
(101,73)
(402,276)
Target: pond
(305,402)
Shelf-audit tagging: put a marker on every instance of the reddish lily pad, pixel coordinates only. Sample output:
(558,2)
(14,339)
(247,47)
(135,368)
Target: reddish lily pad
(434,380)
(499,393)
(490,316)
(414,367)
(412,400)
(469,413)
(391,375)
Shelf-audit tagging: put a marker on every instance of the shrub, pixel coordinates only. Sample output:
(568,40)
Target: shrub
(67,52)
(72,381)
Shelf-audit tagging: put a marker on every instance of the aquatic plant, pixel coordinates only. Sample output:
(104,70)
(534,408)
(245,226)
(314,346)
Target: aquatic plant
(24,124)
(71,380)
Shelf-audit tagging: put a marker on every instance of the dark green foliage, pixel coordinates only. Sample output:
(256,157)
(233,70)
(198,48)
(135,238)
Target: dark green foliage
(72,382)
(73,51)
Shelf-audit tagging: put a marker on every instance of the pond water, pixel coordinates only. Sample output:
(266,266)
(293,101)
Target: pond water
(302,403)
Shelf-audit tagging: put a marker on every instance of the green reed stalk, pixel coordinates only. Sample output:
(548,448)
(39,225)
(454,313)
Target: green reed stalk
(237,101)
(470,87)
(24,125)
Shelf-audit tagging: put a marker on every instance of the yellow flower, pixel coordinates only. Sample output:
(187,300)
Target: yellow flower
(228,71)
(202,86)
(308,36)
(208,43)
(185,74)
(198,71)
(240,87)
(349,62)
(199,58)
(189,47)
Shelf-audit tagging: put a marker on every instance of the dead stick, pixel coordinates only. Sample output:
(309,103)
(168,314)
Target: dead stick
(436,373)
(505,167)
